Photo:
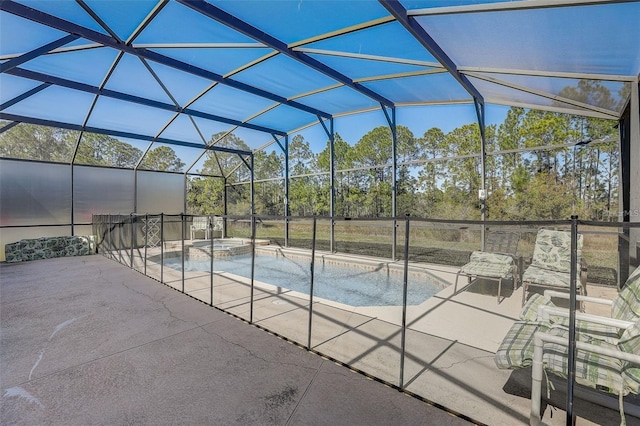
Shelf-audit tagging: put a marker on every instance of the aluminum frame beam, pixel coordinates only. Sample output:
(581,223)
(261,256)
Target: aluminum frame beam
(612,114)
(415,29)
(198,45)
(62,49)
(562,110)
(378,58)
(480,114)
(552,74)
(23,96)
(332,179)
(12,63)
(77,127)
(87,88)
(231,21)
(147,20)
(342,31)
(392,122)
(8,126)
(108,41)
(510,6)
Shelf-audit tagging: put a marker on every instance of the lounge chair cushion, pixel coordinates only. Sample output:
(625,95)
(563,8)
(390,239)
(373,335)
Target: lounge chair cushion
(548,277)
(607,333)
(630,342)
(626,305)
(516,349)
(529,311)
(488,264)
(553,251)
(591,369)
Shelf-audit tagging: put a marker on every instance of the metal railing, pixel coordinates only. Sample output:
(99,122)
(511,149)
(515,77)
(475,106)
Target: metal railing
(428,251)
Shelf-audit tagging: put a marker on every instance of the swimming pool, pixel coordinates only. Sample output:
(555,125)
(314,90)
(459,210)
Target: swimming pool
(349,285)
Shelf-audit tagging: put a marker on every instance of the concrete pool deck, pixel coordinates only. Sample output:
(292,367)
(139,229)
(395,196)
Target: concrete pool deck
(449,343)
(86,340)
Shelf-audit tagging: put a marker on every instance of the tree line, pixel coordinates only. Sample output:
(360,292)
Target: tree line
(533,171)
(43,143)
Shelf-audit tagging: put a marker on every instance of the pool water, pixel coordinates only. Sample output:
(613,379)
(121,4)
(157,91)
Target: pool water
(349,285)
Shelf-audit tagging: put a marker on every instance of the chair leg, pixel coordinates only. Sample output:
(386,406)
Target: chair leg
(455,286)
(524,292)
(499,289)
(537,369)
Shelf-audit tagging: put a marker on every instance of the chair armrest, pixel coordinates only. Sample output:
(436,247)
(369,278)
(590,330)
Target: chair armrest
(560,295)
(546,311)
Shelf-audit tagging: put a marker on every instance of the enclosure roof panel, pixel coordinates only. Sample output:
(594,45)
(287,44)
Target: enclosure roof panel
(391,40)
(182,86)
(609,95)
(67,10)
(362,67)
(423,4)
(600,39)
(121,17)
(433,88)
(128,117)
(220,60)
(298,20)
(84,66)
(12,87)
(499,93)
(232,103)
(184,70)
(176,23)
(133,76)
(21,35)
(47,104)
(285,116)
(339,100)
(283,75)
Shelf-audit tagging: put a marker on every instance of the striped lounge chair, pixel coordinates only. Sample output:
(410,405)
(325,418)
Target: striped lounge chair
(608,348)
(498,262)
(551,263)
